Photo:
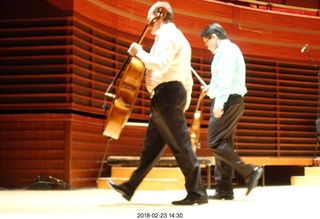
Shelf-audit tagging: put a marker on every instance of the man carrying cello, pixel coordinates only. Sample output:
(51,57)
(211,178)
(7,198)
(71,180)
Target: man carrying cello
(169,81)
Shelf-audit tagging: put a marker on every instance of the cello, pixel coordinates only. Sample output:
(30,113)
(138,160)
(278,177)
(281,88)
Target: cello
(197,117)
(124,99)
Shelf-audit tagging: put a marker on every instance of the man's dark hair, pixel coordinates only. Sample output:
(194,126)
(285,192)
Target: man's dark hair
(216,29)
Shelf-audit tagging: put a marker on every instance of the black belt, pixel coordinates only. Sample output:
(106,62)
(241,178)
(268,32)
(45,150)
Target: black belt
(162,85)
(234,98)
(234,95)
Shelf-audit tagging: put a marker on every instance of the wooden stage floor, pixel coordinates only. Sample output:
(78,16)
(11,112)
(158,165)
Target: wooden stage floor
(264,202)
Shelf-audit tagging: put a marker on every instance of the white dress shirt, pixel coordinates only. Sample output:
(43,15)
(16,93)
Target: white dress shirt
(228,73)
(169,60)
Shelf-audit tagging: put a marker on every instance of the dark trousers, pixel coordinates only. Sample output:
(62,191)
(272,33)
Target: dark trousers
(167,126)
(221,133)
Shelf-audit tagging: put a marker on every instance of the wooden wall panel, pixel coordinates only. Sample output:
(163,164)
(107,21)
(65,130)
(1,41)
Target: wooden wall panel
(65,146)
(31,146)
(258,32)
(55,68)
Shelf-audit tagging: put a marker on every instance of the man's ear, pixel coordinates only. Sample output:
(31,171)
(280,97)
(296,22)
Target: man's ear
(213,36)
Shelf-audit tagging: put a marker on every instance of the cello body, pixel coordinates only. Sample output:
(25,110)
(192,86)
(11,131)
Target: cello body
(120,111)
(196,126)
(195,130)
(197,117)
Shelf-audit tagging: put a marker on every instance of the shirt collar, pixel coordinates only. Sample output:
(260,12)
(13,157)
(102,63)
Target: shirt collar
(165,28)
(222,44)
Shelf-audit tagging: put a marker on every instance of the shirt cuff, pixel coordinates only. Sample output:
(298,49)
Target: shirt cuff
(218,104)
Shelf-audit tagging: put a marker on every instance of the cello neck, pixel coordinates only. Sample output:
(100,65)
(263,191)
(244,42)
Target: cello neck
(202,94)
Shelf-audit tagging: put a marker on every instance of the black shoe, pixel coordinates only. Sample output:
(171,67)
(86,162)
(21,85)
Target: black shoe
(121,189)
(222,195)
(191,201)
(253,179)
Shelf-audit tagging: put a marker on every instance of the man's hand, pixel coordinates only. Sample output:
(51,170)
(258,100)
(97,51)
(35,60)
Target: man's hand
(204,89)
(217,112)
(134,49)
